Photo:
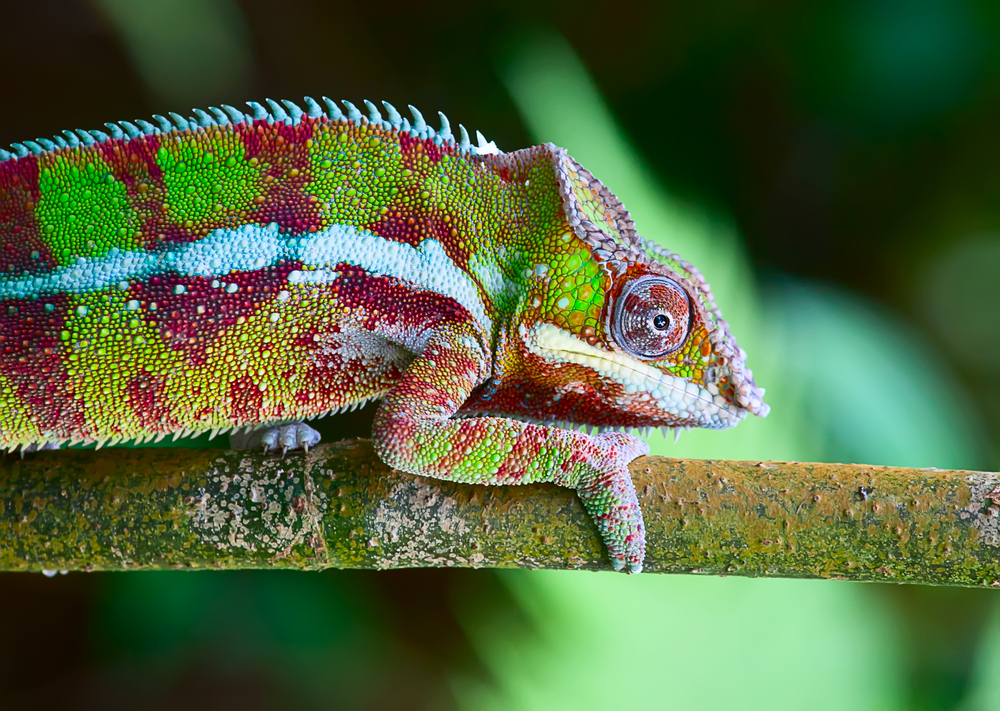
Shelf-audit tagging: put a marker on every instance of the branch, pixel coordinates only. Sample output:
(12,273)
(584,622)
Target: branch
(340,507)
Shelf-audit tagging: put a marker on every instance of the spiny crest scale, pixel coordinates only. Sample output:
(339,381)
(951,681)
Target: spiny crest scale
(284,111)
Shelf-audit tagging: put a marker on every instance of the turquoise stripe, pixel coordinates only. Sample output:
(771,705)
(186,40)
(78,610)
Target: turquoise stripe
(252,247)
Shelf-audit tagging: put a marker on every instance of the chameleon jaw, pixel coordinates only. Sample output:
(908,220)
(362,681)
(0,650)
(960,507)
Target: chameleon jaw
(677,399)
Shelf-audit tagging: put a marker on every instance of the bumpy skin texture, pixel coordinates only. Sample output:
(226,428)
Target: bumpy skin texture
(236,270)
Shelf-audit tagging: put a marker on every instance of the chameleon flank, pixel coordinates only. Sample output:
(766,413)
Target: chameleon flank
(249,272)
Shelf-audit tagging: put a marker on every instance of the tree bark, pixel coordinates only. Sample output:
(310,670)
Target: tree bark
(338,506)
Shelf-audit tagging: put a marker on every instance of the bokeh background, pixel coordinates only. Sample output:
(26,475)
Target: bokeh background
(833,167)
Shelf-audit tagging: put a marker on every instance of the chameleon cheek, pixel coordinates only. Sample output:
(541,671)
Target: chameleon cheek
(641,389)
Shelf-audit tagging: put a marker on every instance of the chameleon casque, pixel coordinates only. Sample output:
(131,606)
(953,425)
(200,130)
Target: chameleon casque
(249,272)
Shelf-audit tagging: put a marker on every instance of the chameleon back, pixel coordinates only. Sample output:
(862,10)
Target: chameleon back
(192,277)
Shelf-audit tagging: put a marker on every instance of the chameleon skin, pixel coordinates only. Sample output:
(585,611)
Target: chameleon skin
(234,270)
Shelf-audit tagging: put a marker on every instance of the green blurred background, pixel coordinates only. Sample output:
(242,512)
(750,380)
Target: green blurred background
(832,167)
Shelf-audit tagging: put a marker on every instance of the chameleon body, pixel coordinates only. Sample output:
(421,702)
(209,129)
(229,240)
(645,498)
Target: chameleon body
(234,270)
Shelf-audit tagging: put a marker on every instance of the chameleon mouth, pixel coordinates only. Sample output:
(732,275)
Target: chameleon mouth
(678,398)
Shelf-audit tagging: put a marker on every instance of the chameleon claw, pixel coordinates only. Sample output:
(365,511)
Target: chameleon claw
(306,436)
(287,438)
(270,440)
(618,564)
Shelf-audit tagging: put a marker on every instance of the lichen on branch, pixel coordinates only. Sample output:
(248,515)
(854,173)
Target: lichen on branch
(339,506)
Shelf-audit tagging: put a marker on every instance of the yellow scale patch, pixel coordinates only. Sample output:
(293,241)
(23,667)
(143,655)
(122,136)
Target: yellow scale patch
(342,166)
(13,417)
(101,329)
(263,348)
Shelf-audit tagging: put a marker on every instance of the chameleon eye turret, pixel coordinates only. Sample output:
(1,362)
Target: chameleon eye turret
(652,317)
(243,272)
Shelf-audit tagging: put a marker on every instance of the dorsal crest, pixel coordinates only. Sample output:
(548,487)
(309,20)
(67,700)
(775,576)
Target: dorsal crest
(287,112)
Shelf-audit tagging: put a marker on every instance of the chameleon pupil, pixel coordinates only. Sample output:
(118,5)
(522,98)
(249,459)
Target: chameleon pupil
(661,322)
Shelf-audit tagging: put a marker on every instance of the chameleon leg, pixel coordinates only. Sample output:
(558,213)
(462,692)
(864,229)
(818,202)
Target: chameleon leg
(414,431)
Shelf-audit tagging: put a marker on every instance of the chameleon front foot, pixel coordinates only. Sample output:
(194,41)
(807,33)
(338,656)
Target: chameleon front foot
(37,447)
(609,497)
(294,435)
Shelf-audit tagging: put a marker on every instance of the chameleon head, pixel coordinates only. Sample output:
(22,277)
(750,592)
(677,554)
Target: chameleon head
(642,343)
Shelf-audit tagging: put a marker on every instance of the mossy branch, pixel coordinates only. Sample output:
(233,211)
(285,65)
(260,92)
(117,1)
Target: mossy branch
(340,507)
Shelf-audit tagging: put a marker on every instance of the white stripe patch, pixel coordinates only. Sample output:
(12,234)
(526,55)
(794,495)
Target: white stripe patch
(427,265)
(676,396)
(252,247)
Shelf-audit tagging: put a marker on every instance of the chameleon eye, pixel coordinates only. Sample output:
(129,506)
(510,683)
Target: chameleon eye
(651,317)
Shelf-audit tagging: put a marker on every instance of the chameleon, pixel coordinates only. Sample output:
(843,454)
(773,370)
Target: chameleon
(245,272)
